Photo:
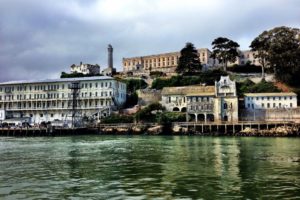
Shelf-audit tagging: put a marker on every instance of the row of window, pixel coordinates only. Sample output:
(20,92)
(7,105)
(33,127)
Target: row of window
(201,108)
(268,105)
(58,95)
(55,87)
(53,105)
(270,98)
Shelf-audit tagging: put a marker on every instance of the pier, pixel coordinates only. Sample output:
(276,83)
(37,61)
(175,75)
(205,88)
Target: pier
(246,128)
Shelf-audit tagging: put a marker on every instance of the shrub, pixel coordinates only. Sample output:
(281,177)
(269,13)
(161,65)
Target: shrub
(248,68)
(134,84)
(208,77)
(248,86)
(77,75)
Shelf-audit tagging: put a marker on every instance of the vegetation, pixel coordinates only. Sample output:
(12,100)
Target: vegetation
(225,50)
(248,86)
(149,113)
(117,119)
(208,77)
(169,117)
(134,84)
(155,74)
(248,68)
(131,100)
(280,48)
(77,75)
(189,60)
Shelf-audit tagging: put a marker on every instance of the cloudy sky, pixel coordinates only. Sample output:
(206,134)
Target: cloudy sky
(41,38)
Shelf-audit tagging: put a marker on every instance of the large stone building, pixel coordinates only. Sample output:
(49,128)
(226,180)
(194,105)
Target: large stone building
(204,103)
(53,99)
(167,62)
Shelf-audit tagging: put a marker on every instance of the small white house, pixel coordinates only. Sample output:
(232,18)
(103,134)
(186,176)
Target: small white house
(270,100)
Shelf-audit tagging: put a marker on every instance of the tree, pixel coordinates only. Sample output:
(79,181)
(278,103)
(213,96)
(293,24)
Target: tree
(280,48)
(189,60)
(225,50)
(259,46)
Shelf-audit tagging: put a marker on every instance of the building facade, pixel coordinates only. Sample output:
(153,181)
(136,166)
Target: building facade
(270,100)
(49,100)
(85,69)
(204,103)
(166,62)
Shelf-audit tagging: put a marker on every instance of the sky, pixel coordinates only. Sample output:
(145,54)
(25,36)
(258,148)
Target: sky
(41,38)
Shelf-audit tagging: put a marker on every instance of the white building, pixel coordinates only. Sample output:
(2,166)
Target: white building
(49,100)
(270,100)
(85,69)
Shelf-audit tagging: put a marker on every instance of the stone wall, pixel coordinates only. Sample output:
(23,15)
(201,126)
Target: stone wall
(282,114)
(148,96)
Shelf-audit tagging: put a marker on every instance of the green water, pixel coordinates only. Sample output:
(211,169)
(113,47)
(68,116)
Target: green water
(149,167)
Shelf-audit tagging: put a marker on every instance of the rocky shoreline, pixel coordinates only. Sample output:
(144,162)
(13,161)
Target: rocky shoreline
(281,131)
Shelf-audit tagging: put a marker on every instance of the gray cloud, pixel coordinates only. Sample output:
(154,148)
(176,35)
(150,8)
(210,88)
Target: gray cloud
(39,39)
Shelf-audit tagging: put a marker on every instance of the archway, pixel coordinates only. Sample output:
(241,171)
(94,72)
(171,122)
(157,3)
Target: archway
(210,117)
(201,117)
(191,118)
(183,109)
(175,109)
(225,118)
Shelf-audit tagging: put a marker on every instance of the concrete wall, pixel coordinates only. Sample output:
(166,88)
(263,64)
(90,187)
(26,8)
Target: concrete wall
(290,114)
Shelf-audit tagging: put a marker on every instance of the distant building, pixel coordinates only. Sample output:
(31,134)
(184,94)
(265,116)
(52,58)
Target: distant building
(85,69)
(53,99)
(167,62)
(270,100)
(204,103)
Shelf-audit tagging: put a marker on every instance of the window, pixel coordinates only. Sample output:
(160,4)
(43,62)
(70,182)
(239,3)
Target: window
(248,105)
(291,98)
(262,105)
(51,115)
(262,98)
(284,98)
(225,106)
(257,98)
(279,105)
(41,115)
(279,98)
(274,105)
(268,105)
(291,105)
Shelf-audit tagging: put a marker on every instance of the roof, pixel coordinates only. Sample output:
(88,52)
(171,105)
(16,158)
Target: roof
(92,78)
(189,90)
(272,94)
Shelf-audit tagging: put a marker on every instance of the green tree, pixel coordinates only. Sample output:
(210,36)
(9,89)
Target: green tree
(259,46)
(282,52)
(225,50)
(189,60)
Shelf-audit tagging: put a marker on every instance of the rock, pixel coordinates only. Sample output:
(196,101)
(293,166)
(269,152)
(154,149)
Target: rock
(154,130)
